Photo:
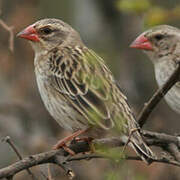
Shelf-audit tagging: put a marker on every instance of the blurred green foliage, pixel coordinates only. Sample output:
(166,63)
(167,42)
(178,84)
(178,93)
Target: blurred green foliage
(119,175)
(115,154)
(154,13)
(137,6)
(155,16)
(113,176)
(159,15)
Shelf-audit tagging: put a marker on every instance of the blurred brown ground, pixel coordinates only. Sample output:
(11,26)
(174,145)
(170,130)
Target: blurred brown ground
(108,30)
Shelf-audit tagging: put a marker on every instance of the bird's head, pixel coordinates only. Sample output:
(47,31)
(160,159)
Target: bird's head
(47,34)
(158,42)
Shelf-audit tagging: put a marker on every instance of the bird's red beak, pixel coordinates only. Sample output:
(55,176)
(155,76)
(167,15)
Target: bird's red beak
(141,42)
(29,33)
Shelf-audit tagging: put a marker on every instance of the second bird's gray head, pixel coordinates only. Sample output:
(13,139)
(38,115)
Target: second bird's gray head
(47,34)
(159,42)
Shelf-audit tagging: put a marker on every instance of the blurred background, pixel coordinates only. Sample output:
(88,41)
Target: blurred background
(108,27)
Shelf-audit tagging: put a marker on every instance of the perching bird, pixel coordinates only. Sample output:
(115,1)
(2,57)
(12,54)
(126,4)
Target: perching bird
(77,88)
(162,45)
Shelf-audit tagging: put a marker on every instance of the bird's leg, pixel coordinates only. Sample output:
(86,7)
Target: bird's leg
(62,142)
(129,138)
(71,152)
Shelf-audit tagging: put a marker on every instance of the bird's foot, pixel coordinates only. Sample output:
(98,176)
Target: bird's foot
(62,143)
(129,138)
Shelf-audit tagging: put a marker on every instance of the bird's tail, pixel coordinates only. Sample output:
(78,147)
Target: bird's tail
(141,148)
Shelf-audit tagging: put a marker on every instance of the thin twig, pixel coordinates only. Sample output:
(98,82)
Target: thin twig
(174,151)
(159,94)
(161,138)
(8,140)
(44,176)
(11,34)
(59,161)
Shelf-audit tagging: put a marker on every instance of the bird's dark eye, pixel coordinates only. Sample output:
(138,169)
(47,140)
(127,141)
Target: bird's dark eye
(158,37)
(46,30)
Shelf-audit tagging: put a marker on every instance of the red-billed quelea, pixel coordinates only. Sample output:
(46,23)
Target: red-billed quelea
(77,88)
(162,45)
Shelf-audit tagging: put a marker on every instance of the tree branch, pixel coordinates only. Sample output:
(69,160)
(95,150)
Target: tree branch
(7,139)
(61,157)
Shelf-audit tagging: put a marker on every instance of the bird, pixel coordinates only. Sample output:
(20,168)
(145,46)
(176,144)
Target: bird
(77,87)
(162,45)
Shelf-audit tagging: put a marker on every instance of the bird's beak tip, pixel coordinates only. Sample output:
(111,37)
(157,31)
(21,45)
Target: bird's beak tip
(29,33)
(141,42)
(19,34)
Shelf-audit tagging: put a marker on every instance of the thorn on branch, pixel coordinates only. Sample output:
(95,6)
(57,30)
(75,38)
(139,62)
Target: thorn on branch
(61,161)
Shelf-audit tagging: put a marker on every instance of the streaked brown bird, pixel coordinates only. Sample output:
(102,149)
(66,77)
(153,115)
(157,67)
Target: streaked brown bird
(77,88)
(162,45)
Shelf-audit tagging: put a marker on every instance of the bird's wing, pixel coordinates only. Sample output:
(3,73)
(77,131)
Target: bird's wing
(88,85)
(80,75)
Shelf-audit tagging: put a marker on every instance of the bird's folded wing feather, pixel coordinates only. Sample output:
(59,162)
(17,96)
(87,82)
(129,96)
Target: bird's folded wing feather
(80,75)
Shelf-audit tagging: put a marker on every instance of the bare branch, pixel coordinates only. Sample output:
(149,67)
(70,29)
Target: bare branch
(174,151)
(8,140)
(161,138)
(91,156)
(61,157)
(11,34)
(58,160)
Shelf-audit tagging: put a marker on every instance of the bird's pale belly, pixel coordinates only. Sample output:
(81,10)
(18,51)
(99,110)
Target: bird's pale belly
(173,95)
(66,116)
(173,98)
